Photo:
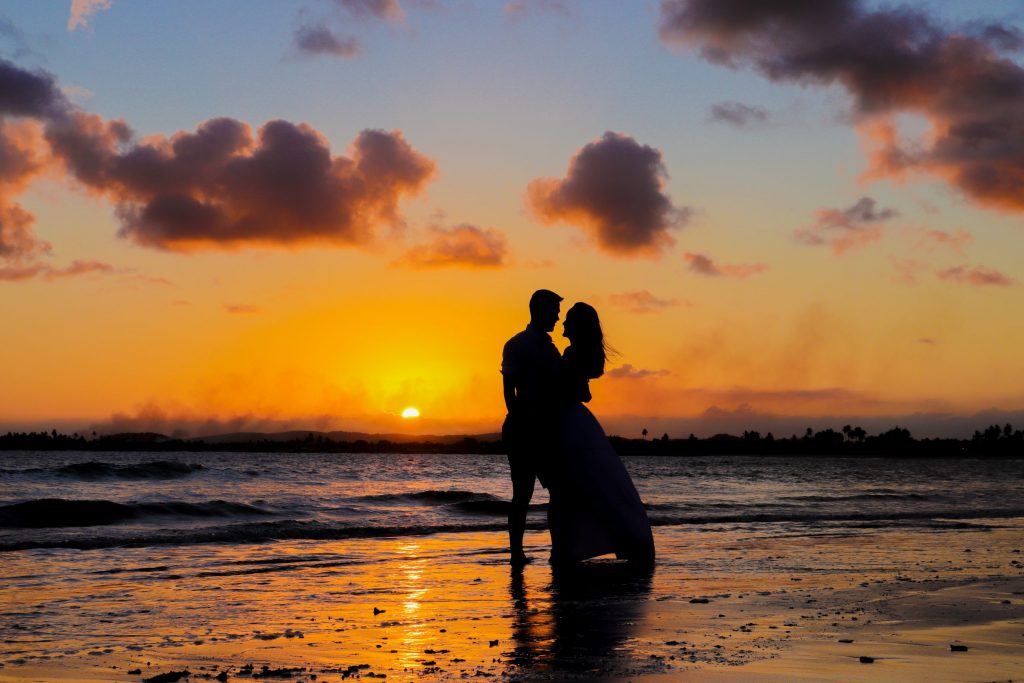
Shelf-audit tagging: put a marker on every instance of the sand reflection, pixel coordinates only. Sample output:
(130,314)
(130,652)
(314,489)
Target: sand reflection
(579,621)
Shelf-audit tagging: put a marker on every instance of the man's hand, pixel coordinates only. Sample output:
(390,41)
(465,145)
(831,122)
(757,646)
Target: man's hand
(509,386)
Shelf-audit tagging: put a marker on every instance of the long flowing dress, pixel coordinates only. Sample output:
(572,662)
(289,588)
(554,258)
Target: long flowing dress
(594,507)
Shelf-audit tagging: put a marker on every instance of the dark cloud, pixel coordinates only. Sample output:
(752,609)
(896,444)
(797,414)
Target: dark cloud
(738,114)
(890,61)
(614,189)
(1002,37)
(641,301)
(218,187)
(462,246)
(627,371)
(28,93)
(845,229)
(979,276)
(221,187)
(705,265)
(320,40)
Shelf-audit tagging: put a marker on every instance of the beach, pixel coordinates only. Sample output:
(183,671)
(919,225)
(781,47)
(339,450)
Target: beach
(741,595)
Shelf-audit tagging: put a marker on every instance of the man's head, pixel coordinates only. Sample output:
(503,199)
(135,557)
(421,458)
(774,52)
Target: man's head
(544,308)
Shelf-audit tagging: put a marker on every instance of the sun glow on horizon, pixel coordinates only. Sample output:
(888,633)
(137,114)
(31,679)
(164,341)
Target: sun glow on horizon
(410,413)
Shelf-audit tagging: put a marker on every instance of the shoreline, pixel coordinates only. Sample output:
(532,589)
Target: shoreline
(743,605)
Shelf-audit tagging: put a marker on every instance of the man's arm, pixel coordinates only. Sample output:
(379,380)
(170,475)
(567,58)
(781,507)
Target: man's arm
(509,387)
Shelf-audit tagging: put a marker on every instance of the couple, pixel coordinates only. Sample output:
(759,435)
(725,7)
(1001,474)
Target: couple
(550,435)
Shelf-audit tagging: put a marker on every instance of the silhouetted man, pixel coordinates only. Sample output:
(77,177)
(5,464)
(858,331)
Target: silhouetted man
(529,367)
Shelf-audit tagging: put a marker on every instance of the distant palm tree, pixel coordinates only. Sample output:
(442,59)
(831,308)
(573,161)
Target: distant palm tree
(644,433)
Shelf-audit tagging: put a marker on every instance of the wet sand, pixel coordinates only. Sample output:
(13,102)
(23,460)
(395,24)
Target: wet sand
(731,605)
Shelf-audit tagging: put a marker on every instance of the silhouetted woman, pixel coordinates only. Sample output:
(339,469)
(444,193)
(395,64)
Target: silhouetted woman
(594,508)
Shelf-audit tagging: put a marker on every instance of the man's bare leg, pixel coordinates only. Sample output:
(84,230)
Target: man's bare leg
(522,494)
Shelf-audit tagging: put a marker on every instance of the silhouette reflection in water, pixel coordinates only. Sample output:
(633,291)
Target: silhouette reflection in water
(580,625)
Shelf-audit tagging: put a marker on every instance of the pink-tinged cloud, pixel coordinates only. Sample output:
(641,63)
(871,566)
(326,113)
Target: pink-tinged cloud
(957,241)
(18,243)
(627,371)
(221,187)
(387,10)
(42,271)
(849,228)
(979,276)
(642,301)
(908,271)
(461,246)
(242,309)
(21,159)
(321,40)
(614,190)
(928,341)
(703,264)
(82,10)
(964,80)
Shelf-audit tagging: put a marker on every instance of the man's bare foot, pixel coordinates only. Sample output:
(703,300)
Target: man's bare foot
(519,558)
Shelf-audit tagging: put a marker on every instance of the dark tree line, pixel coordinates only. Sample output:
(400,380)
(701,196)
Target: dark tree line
(994,441)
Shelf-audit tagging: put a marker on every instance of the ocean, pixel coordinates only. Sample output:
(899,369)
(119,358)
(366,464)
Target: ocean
(104,500)
(221,559)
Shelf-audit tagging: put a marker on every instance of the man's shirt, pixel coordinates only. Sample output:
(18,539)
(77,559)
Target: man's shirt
(530,359)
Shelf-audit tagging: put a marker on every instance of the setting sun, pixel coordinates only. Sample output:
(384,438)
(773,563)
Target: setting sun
(410,413)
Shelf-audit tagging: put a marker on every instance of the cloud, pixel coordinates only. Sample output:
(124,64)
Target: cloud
(19,45)
(81,10)
(845,229)
(242,309)
(387,10)
(928,341)
(908,271)
(516,10)
(31,271)
(18,243)
(614,190)
(979,276)
(642,301)
(890,62)
(29,93)
(461,246)
(738,114)
(957,241)
(221,187)
(320,40)
(627,371)
(704,265)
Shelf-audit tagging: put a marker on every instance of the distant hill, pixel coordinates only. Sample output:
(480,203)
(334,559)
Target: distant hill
(298,435)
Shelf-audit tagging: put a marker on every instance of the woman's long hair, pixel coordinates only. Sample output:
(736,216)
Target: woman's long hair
(590,347)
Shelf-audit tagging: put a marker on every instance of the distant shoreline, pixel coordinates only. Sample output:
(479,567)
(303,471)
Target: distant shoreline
(994,442)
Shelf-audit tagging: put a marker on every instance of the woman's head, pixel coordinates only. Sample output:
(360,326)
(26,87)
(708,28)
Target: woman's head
(582,327)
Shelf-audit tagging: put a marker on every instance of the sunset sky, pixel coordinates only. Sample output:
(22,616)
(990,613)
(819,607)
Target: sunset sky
(263,215)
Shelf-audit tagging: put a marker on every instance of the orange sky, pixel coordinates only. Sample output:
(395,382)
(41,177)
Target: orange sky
(758,247)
